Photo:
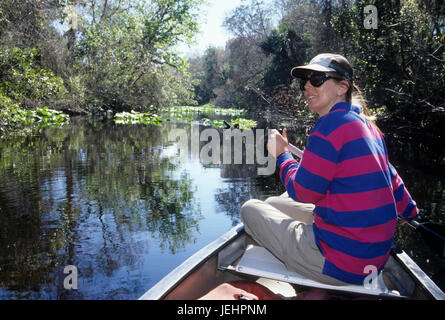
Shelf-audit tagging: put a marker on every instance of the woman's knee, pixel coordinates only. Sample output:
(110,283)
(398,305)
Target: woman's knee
(249,207)
(274,200)
(281,203)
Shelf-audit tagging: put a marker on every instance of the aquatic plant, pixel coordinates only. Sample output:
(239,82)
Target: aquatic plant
(244,123)
(16,120)
(49,117)
(135,117)
(186,114)
(208,109)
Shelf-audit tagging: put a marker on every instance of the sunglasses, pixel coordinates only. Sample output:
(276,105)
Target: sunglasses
(317,80)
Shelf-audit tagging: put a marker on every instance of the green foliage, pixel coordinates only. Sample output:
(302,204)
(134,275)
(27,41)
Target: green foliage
(208,75)
(287,50)
(112,54)
(186,114)
(23,22)
(49,117)
(23,77)
(130,56)
(400,64)
(244,123)
(207,109)
(121,55)
(168,23)
(135,117)
(11,115)
(16,120)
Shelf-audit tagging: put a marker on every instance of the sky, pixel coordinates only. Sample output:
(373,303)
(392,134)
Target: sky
(212,32)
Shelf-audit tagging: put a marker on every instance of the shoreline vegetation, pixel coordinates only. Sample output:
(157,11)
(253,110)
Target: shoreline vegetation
(106,58)
(17,121)
(188,114)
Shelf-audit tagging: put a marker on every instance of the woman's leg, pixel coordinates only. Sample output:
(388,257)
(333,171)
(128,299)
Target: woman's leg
(303,212)
(290,240)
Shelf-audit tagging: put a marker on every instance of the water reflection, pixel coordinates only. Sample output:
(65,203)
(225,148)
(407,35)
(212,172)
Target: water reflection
(240,188)
(90,195)
(121,204)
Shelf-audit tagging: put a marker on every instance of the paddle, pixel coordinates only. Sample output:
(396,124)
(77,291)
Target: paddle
(432,233)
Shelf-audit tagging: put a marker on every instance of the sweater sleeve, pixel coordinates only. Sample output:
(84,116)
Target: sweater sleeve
(406,206)
(309,180)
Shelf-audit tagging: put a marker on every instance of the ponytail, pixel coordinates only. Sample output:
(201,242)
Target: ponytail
(355,97)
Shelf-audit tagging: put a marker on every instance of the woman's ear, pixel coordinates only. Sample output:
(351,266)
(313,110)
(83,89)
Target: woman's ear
(343,87)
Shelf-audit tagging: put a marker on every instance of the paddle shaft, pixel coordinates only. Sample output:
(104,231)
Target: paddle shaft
(295,150)
(416,225)
(439,238)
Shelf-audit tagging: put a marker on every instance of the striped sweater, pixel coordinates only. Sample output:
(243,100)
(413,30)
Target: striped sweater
(357,193)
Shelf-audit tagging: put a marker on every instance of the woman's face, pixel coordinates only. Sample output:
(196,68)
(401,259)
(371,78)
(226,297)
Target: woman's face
(321,99)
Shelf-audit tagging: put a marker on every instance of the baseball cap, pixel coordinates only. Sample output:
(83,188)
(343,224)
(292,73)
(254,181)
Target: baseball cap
(325,62)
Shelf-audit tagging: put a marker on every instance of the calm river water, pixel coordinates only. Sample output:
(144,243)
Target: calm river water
(116,202)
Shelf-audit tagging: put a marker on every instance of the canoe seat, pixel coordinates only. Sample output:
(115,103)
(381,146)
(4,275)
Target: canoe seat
(258,261)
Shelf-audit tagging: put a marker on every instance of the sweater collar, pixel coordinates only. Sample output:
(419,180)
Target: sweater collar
(346,106)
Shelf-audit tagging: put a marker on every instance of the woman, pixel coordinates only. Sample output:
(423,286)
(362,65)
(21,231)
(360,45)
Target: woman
(344,196)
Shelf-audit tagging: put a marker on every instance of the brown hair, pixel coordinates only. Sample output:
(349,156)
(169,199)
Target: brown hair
(354,96)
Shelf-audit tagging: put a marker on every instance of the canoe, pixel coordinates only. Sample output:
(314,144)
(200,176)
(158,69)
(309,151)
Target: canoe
(219,262)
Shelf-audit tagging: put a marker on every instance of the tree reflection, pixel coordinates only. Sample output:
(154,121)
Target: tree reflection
(99,196)
(78,194)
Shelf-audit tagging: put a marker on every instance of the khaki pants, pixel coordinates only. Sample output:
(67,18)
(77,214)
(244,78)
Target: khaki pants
(284,227)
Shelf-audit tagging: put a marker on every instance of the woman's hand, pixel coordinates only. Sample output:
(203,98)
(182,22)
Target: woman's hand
(277,143)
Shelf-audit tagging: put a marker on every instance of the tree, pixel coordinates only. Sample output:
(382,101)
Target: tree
(22,22)
(130,49)
(287,50)
(400,65)
(24,80)
(249,21)
(309,20)
(209,75)
(111,54)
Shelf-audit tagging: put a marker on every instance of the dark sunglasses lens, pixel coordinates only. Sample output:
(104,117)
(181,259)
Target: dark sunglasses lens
(318,80)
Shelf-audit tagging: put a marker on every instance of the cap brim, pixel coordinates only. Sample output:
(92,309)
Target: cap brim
(302,71)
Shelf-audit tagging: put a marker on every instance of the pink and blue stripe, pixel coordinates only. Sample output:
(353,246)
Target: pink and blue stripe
(357,193)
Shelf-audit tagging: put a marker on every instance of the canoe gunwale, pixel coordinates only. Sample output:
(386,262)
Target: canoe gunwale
(421,279)
(173,279)
(227,248)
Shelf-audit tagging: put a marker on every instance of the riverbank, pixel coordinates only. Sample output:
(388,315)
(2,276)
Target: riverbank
(15,120)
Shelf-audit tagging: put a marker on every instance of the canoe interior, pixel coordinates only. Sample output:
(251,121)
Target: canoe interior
(204,271)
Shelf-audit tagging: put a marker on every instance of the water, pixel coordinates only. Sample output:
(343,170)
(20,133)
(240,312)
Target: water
(115,202)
